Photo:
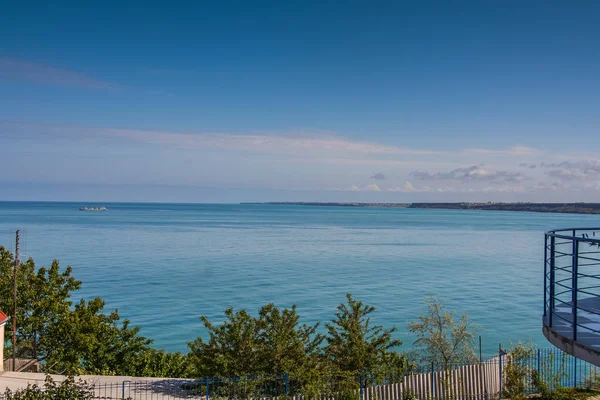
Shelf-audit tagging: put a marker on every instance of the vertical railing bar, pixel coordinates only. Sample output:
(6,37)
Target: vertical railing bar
(552,265)
(545,270)
(575,256)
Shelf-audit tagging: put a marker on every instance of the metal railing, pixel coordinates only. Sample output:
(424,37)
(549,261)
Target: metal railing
(572,284)
(480,380)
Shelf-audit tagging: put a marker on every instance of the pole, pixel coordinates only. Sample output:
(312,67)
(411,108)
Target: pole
(207,394)
(545,273)
(287,384)
(361,386)
(480,356)
(574,277)
(500,361)
(14,316)
(432,380)
(552,265)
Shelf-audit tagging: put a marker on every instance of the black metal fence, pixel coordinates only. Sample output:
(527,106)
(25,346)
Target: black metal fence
(572,284)
(482,380)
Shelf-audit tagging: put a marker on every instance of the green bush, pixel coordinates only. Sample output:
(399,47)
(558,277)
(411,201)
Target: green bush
(592,381)
(409,395)
(68,389)
(516,372)
(547,381)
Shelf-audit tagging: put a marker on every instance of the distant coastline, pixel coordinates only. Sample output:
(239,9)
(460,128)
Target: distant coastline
(568,208)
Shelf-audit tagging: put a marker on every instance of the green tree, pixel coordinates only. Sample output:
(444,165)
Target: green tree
(441,339)
(43,298)
(79,339)
(88,341)
(242,345)
(162,364)
(353,344)
(233,347)
(288,347)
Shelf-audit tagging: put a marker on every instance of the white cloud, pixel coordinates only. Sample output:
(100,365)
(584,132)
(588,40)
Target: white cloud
(318,162)
(473,173)
(513,151)
(372,188)
(406,188)
(574,169)
(19,70)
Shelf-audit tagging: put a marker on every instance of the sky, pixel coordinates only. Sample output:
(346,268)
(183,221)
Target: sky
(227,101)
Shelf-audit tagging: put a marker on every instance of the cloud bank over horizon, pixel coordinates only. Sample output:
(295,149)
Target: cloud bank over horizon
(319,163)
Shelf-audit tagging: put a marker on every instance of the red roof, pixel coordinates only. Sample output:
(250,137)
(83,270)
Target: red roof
(3,318)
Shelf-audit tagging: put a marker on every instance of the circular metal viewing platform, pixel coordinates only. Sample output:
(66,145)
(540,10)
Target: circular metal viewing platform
(572,292)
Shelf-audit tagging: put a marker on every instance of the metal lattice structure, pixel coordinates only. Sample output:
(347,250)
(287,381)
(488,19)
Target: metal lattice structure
(571,319)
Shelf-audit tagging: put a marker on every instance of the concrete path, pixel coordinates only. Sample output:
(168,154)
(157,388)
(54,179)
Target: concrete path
(106,387)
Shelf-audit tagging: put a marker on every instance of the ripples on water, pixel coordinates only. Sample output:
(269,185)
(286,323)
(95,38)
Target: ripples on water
(165,265)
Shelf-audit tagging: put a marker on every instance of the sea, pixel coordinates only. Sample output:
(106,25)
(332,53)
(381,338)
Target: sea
(163,266)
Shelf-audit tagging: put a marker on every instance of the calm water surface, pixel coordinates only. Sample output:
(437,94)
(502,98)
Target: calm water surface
(165,265)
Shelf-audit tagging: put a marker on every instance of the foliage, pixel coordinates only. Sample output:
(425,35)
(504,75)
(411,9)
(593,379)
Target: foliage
(592,381)
(441,339)
(547,381)
(68,389)
(274,344)
(242,345)
(516,371)
(43,299)
(88,341)
(162,364)
(409,395)
(76,339)
(353,345)
(83,338)
(290,347)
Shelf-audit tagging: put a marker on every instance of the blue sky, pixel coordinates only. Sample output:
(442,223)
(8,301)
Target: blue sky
(251,101)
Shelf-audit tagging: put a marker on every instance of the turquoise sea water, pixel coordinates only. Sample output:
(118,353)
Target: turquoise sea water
(165,265)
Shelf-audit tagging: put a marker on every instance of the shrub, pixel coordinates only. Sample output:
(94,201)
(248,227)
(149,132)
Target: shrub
(68,389)
(592,381)
(409,395)
(516,372)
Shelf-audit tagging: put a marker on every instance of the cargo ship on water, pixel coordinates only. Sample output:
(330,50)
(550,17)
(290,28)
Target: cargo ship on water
(92,209)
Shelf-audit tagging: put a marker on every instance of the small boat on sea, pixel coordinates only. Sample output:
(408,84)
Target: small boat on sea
(92,209)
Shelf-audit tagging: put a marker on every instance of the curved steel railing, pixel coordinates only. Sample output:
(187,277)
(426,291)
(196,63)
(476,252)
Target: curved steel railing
(572,284)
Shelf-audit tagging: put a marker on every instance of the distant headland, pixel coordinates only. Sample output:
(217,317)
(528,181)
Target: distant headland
(570,208)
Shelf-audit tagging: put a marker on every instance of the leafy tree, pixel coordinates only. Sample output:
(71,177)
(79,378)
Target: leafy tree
(79,339)
(43,298)
(232,349)
(242,345)
(353,344)
(88,341)
(288,346)
(162,364)
(440,338)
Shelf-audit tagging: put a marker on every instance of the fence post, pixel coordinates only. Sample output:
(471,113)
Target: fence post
(361,386)
(287,383)
(500,361)
(432,380)
(574,373)
(123,391)
(539,361)
(552,265)
(207,394)
(545,271)
(574,284)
